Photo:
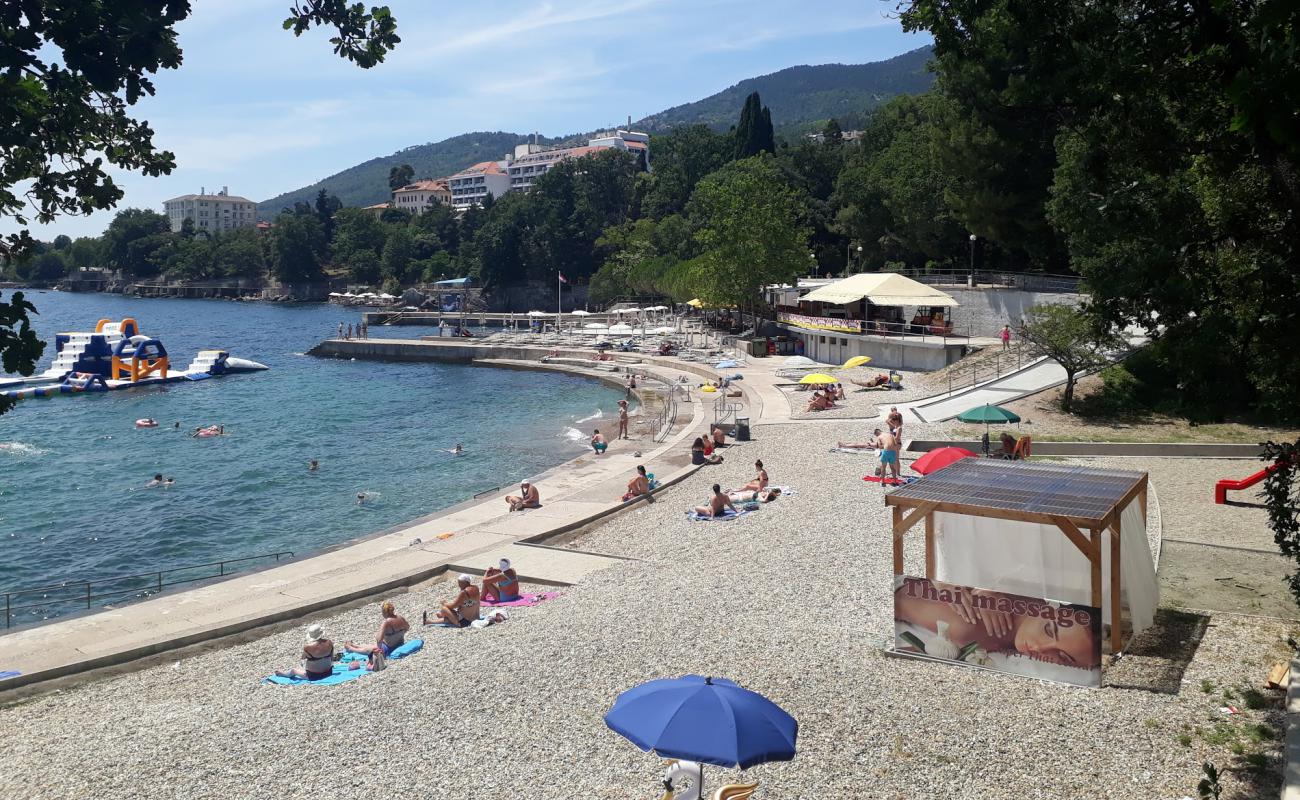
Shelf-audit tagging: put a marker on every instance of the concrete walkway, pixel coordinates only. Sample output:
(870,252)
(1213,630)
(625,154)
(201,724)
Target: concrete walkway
(464,538)
(1042,374)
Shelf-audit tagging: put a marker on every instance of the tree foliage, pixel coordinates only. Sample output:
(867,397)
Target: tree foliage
(19,347)
(399,176)
(754,132)
(1072,338)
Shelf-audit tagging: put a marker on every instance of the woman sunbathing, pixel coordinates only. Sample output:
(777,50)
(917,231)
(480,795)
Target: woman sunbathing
(392,633)
(317,657)
(760,480)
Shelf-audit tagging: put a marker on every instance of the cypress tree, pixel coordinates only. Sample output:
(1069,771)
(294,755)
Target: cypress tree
(754,131)
(765,137)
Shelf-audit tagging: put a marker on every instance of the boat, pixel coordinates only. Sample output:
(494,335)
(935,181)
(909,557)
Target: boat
(117,356)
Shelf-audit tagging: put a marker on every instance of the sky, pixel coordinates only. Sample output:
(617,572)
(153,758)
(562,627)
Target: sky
(257,110)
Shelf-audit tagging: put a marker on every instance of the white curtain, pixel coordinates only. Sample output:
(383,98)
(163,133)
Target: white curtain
(1036,560)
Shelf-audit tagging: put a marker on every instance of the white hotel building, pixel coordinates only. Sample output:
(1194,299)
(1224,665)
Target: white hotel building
(471,186)
(211,212)
(531,162)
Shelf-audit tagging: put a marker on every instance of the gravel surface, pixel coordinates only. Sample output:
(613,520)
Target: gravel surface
(793,601)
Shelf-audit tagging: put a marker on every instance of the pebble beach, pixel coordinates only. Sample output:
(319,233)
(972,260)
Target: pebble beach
(793,601)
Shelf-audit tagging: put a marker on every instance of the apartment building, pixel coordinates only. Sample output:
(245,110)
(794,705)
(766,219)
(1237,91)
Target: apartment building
(471,186)
(416,197)
(211,212)
(530,162)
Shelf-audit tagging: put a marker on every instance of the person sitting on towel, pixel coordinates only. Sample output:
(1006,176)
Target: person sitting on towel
(392,633)
(819,402)
(719,437)
(637,486)
(528,497)
(871,445)
(459,613)
(500,584)
(760,480)
(702,451)
(317,657)
(718,504)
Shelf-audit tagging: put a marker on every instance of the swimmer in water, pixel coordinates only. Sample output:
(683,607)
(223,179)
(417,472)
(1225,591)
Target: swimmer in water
(177,426)
(313,465)
(167,484)
(458,450)
(361,498)
(157,480)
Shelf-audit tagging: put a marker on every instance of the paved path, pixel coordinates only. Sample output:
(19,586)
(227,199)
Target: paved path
(1042,374)
(464,538)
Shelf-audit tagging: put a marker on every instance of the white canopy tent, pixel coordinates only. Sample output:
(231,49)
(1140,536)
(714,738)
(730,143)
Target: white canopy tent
(881,289)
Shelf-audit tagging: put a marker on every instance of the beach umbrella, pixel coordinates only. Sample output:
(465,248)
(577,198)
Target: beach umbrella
(856,361)
(727,364)
(596,326)
(705,720)
(696,303)
(799,361)
(815,378)
(335,294)
(538,314)
(989,414)
(939,458)
(581,313)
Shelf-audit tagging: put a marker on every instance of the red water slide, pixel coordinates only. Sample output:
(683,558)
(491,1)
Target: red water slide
(1221,488)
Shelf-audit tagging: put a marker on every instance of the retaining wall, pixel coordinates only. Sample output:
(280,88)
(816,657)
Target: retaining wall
(989,309)
(1147,449)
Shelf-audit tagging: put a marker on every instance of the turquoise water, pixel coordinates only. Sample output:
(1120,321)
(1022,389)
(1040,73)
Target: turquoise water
(73,502)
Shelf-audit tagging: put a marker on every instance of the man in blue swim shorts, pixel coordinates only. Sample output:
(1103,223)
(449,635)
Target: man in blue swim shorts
(598,442)
(888,454)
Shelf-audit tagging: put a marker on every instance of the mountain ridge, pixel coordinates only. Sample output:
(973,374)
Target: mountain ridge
(800,97)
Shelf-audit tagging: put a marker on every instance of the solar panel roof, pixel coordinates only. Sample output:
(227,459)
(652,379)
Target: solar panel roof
(1036,488)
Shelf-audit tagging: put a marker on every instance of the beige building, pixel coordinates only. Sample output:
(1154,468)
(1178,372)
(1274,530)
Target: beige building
(531,162)
(211,212)
(416,197)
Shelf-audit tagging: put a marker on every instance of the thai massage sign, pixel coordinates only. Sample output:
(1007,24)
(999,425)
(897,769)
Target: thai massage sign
(1005,632)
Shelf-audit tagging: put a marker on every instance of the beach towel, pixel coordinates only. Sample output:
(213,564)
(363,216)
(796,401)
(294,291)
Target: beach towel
(786,491)
(888,481)
(524,600)
(408,647)
(340,674)
(9,673)
(726,516)
(853,451)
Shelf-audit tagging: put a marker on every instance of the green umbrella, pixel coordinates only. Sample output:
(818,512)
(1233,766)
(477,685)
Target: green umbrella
(988,414)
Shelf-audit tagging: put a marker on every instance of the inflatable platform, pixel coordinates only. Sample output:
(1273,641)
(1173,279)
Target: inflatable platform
(117,356)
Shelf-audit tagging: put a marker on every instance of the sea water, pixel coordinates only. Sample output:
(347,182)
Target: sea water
(73,469)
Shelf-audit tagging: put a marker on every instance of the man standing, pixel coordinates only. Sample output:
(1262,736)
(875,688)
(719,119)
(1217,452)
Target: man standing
(889,447)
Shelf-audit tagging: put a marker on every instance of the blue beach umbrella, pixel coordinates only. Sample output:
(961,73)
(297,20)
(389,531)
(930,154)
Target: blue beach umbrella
(707,720)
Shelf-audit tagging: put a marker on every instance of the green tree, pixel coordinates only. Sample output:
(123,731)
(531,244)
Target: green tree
(397,258)
(86,252)
(62,242)
(358,244)
(297,248)
(681,159)
(132,240)
(19,347)
(831,133)
(400,176)
(754,133)
(1072,339)
(239,254)
(326,206)
(749,234)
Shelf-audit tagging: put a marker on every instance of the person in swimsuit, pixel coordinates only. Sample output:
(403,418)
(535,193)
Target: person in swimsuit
(527,498)
(317,657)
(500,583)
(760,480)
(637,486)
(622,420)
(888,454)
(895,423)
(313,465)
(871,445)
(459,613)
(719,503)
(392,633)
(157,481)
(719,437)
(598,442)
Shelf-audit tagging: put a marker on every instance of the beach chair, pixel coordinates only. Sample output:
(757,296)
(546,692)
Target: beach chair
(1023,449)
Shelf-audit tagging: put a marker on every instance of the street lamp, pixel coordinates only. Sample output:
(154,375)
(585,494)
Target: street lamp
(970,281)
(812,265)
(848,257)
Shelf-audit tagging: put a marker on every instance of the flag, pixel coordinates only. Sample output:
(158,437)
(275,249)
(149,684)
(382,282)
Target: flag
(562,278)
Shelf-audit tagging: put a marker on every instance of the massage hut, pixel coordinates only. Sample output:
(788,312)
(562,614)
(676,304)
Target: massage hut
(1062,533)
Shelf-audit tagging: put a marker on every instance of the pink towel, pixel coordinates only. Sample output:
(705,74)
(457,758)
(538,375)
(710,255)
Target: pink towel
(524,600)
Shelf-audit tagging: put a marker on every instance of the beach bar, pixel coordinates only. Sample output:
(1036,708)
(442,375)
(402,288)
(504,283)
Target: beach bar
(1042,553)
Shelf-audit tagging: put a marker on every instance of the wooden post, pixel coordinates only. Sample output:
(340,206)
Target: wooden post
(929,546)
(1142,504)
(898,541)
(1116,612)
(1095,558)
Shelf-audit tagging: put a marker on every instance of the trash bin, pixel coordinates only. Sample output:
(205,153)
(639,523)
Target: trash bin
(758,348)
(742,429)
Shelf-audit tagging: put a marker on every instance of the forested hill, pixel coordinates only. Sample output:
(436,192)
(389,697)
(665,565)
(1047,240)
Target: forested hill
(799,97)
(802,96)
(367,183)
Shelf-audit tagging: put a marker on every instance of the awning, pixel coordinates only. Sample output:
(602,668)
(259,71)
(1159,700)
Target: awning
(881,289)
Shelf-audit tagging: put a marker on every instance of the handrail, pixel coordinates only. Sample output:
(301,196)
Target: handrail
(1022,353)
(85,592)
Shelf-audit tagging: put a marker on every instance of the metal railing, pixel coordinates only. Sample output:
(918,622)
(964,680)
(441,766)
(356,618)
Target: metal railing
(85,594)
(858,327)
(1025,281)
(1003,362)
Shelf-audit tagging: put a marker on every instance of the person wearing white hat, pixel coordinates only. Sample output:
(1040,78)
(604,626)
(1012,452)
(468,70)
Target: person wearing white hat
(528,497)
(501,583)
(317,657)
(459,613)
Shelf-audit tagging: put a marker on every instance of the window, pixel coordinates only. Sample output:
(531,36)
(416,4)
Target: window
(844,342)
(821,340)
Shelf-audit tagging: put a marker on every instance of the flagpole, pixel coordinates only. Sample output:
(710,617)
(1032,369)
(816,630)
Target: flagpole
(559,305)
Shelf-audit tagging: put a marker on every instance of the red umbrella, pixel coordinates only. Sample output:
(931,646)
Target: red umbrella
(936,460)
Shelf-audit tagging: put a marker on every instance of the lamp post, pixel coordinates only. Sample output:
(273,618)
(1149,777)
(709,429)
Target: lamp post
(812,265)
(848,257)
(970,280)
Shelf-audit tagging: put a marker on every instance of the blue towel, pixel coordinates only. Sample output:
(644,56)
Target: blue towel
(340,674)
(408,647)
(9,673)
(725,517)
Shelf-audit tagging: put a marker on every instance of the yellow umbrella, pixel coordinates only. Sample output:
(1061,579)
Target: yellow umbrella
(817,378)
(856,361)
(696,303)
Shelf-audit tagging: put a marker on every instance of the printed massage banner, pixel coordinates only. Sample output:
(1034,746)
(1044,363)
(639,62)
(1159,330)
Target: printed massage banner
(820,323)
(1010,633)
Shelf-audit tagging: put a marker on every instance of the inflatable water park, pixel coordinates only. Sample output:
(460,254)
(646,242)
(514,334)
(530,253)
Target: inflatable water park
(117,356)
